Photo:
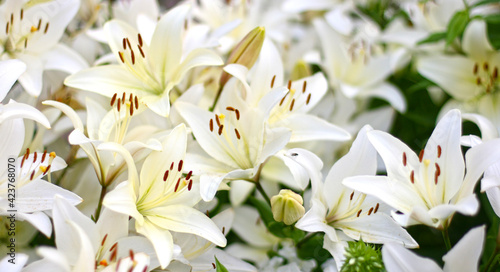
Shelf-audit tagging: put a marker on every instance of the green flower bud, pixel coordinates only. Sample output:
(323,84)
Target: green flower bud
(246,51)
(287,207)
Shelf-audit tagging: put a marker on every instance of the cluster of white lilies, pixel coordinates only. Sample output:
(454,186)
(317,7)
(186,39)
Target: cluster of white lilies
(144,136)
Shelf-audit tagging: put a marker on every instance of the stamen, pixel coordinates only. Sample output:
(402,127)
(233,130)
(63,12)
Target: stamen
(486,66)
(131,253)
(128,43)
(112,258)
(237,112)
(142,52)
(404,158)
(123,97)
(121,56)
(272,81)
(136,100)
(291,104)
(190,185)
(370,211)
(7,28)
(32,175)
(475,69)
(188,176)
(421,155)
(46,28)
(230,108)
(113,246)
(131,110)
(39,24)
(283,99)
(124,43)
(47,169)
(439,151)
(177,185)
(237,134)
(104,239)
(113,99)
(25,42)
(44,155)
(103,263)
(12,18)
(223,230)
(308,98)
(304,86)
(376,208)
(217,120)
(359,212)
(478,81)
(139,38)
(179,167)
(289,84)
(22,14)
(220,129)
(211,125)
(131,97)
(352,195)
(22,161)
(213,265)
(165,176)
(34,157)
(412,176)
(495,73)
(118,104)
(172,166)
(132,56)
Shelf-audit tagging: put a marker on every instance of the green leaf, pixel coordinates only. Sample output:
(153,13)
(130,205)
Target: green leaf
(492,18)
(264,209)
(457,25)
(219,267)
(484,2)
(433,37)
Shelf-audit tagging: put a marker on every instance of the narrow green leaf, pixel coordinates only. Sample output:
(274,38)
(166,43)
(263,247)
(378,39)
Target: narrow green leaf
(492,18)
(433,37)
(219,267)
(456,26)
(484,2)
(264,210)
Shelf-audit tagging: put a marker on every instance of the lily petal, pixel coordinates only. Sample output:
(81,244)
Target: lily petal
(397,258)
(470,245)
(10,70)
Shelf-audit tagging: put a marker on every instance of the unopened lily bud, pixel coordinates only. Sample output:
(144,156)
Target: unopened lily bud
(246,51)
(287,207)
(300,70)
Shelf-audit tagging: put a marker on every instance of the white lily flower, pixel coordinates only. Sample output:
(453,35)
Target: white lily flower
(102,244)
(428,188)
(238,138)
(342,213)
(464,256)
(472,80)
(110,126)
(355,72)
(161,199)
(32,34)
(148,69)
(34,195)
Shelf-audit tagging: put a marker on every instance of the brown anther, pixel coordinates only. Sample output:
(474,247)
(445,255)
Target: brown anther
(283,99)
(145,269)
(120,54)
(217,120)
(27,152)
(359,212)
(128,43)
(438,169)
(132,56)
(190,185)
(478,81)
(213,265)
(139,38)
(104,239)
(476,68)
(220,129)
(370,211)
(211,125)
(237,112)
(34,157)
(123,96)
(237,133)
(25,42)
(272,81)
(136,102)
(7,28)
(291,104)
(179,166)
(439,151)
(124,43)
(289,84)
(304,86)
(404,158)
(118,104)
(113,246)
(12,18)
(47,169)
(495,73)
(165,176)
(421,155)
(32,175)
(131,254)
(207,213)
(22,161)
(113,255)
(142,52)
(46,28)
(131,97)
(486,66)
(352,195)
(188,176)
(177,185)
(44,155)
(308,98)
(22,14)
(113,99)
(376,208)
(172,166)
(223,230)
(230,108)
(131,110)
(412,177)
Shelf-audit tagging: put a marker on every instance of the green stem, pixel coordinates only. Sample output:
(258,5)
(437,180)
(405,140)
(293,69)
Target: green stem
(491,264)
(446,238)
(104,189)
(263,193)
(216,99)
(307,238)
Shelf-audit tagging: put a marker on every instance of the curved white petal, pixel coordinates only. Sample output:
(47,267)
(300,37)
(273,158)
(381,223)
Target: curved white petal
(307,127)
(10,70)
(487,128)
(63,58)
(31,79)
(21,110)
(68,111)
(475,41)
(464,256)
(122,200)
(314,221)
(387,92)
(399,259)
(197,57)
(160,238)
(38,195)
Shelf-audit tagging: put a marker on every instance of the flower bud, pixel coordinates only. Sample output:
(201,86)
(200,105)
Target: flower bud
(246,51)
(300,70)
(287,207)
